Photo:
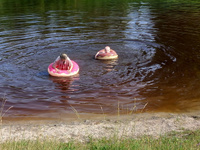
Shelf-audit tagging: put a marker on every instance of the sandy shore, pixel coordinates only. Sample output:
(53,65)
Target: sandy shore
(154,124)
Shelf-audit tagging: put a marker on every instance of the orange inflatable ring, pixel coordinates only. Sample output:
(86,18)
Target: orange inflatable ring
(102,55)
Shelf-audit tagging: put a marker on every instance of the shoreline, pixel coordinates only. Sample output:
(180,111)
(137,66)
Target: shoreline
(81,129)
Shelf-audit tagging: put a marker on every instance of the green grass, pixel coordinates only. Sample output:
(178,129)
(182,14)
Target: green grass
(187,140)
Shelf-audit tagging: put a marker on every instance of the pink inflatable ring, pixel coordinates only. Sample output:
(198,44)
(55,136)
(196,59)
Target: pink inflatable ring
(106,56)
(63,73)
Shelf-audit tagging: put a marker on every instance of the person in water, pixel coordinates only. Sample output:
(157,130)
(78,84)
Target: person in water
(106,53)
(105,50)
(62,62)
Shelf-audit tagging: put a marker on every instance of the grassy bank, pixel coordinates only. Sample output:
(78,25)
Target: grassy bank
(187,140)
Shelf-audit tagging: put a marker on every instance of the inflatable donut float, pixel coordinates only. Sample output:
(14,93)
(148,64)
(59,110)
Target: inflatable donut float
(63,73)
(103,55)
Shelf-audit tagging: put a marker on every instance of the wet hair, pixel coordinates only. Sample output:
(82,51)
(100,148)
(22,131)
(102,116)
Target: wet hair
(63,56)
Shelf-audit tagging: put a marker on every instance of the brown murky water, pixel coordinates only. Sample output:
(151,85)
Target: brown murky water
(158,44)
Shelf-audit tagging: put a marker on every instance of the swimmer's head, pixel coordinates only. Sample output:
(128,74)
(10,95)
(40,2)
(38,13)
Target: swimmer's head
(107,49)
(63,56)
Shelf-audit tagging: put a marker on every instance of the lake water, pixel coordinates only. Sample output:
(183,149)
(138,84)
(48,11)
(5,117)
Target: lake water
(158,69)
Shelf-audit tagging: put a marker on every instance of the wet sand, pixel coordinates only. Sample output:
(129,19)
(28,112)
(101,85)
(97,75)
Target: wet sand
(81,129)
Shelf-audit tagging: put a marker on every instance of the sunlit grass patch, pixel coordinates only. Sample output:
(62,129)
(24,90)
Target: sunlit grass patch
(36,145)
(187,140)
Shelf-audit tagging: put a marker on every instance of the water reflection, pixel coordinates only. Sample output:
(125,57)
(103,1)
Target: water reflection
(140,36)
(110,64)
(62,83)
(158,52)
(174,85)
(65,83)
(141,24)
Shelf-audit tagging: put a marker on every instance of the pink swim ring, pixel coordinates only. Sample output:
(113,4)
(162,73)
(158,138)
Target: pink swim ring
(63,73)
(106,54)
